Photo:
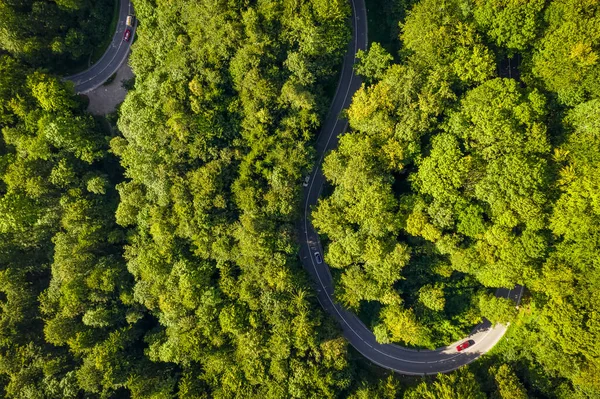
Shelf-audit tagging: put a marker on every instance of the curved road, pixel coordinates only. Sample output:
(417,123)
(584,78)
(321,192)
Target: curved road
(393,357)
(111,60)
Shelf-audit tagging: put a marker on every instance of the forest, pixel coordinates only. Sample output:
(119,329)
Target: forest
(472,164)
(158,257)
(58,35)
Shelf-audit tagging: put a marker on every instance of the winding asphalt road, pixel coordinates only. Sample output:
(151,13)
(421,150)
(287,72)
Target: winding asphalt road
(113,57)
(393,357)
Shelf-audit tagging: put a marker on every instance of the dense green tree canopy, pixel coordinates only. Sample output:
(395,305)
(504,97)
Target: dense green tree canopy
(60,245)
(512,24)
(203,295)
(457,385)
(567,55)
(215,141)
(485,174)
(158,258)
(55,34)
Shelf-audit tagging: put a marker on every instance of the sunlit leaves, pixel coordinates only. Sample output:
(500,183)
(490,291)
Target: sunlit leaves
(460,384)
(432,297)
(567,59)
(512,24)
(441,33)
(216,141)
(401,325)
(508,383)
(374,63)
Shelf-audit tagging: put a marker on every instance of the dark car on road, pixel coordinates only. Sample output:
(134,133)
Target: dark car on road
(127,35)
(318,258)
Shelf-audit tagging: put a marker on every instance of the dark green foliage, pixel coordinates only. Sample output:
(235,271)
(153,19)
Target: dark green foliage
(383,17)
(55,35)
(60,246)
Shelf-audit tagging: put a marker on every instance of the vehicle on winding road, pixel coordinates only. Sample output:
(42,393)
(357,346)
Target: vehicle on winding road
(463,346)
(393,357)
(114,56)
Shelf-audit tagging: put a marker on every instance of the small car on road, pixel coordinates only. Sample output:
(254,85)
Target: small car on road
(127,35)
(463,346)
(318,258)
(306,180)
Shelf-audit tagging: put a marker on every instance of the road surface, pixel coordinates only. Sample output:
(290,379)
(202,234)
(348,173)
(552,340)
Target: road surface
(112,58)
(393,357)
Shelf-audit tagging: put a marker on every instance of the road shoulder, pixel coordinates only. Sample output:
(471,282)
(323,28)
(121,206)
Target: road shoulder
(105,99)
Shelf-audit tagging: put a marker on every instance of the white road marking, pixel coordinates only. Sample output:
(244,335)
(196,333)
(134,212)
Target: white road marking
(116,53)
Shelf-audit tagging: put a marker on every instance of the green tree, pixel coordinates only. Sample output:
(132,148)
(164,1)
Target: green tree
(373,63)
(56,34)
(432,297)
(459,384)
(497,310)
(442,34)
(567,60)
(211,197)
(494,197)
(507,383)
(401,325)
(512,24)
(387,388)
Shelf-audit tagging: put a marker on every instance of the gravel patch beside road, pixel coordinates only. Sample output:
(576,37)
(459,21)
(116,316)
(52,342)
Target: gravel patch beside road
(105,98)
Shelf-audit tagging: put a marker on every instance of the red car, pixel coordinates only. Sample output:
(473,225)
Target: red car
(127,34)
(464,345)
